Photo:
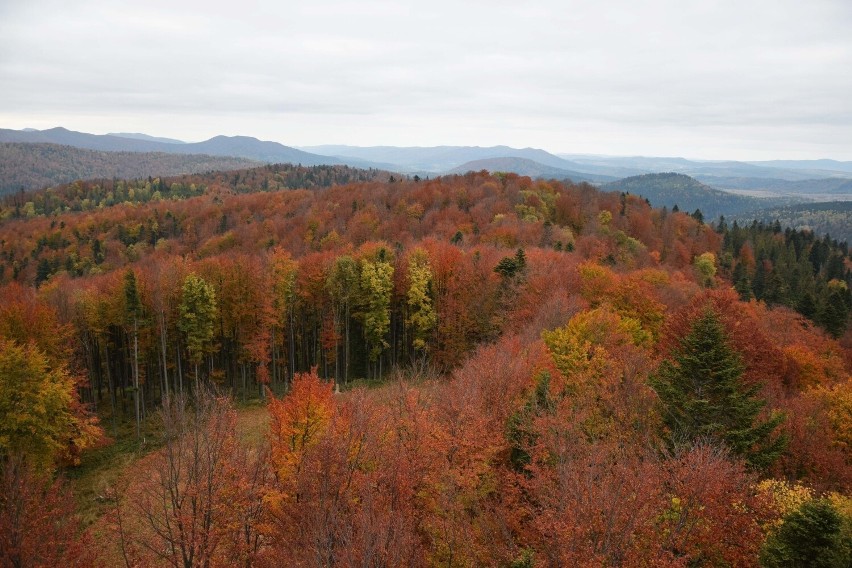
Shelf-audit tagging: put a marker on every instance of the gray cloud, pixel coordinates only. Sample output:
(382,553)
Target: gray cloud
(720,79)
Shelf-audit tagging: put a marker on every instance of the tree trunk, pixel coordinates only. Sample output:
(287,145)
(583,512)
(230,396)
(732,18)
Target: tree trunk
(136,391)
(292,349)
(163,349)
(245,384)
(111,389)
(346,348)
(274,362)
(180,369)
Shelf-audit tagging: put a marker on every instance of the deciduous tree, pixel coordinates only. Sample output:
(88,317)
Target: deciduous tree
(40,415)
(198,311)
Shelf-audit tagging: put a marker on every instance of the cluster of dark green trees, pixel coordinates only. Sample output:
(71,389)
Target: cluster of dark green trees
(790,268)
(810,536)
(831,217)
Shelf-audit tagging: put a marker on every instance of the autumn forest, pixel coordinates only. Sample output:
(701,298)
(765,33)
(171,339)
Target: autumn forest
(326,366)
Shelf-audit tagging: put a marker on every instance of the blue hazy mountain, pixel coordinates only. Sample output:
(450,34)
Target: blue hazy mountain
(525,167)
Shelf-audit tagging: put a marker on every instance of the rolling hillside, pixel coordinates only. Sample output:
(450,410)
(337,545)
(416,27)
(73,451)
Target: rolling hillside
(689,194)
(809,187)
(832,218)
(34,166)
(771,171)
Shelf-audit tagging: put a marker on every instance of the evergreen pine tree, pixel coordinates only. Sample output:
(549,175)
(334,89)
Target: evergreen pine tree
(742,283)
(833,312)
(703,396)
(758,285)
(807,305)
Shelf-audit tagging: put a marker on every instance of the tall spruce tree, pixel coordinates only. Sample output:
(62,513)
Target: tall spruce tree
(703,396)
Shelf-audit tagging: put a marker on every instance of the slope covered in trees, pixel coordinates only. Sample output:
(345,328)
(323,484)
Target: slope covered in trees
(96,194)
(35,166)
(519,334)
(808,187)
(831,218)
(688,194)
(791,268)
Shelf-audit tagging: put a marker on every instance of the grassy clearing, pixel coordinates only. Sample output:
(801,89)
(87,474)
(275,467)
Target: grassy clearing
(252,423)
(103,467)
(113,463)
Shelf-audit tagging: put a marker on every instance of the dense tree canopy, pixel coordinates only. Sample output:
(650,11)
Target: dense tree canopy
(557,375)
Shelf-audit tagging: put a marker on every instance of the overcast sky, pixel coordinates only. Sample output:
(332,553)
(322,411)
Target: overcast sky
(739,79)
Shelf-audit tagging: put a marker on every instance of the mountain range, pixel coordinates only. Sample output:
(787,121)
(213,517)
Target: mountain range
(34,166)
(438,159)
(790,170)
(232,146)
(800,180)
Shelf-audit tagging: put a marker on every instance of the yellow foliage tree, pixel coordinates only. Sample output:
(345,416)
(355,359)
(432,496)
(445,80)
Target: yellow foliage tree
(785,497)
(583,344)
(839,399)
(705,269)
(40,416)
(630,296)
(421,311)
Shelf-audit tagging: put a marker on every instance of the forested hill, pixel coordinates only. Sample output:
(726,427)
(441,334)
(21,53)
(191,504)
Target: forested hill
(35,166)
(99,193)
(207,215)
(689,194)
(795,268)
(543,355)
(833,218)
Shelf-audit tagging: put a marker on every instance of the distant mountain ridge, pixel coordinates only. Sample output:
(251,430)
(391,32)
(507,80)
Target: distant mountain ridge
(689,194)
(792,179)
(789,170)
(525,167)
(234,146)
(833,185)
(818,165)
(140,136)
(439,159)
(35,166)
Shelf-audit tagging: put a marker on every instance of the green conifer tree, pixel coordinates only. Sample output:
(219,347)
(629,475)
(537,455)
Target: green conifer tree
(703,396)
